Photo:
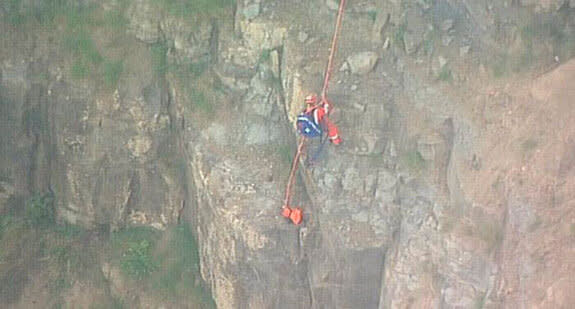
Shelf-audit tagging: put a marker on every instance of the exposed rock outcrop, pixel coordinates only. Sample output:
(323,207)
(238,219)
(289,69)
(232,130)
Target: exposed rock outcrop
(362,63)
(425,204)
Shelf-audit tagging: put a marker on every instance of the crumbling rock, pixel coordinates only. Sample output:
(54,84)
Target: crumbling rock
(362,63)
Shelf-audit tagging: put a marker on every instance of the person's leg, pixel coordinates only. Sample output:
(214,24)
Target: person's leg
(332,132)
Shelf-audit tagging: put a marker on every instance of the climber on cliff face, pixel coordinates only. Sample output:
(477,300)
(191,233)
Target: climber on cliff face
(313,120)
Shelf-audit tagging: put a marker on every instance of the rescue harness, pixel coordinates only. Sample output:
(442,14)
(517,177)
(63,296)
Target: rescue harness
(306,126)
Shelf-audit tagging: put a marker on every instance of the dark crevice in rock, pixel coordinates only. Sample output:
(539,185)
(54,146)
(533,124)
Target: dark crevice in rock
(33,163)
(131,201)
(448,134)
(214,42)
(102,170)
(382,294)
(36,121)
(166,97)
(311,296)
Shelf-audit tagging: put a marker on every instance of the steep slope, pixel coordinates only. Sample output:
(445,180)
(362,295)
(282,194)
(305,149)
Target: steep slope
(451,188)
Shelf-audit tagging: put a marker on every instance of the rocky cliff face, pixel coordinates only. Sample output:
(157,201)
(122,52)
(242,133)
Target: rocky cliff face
(443,179)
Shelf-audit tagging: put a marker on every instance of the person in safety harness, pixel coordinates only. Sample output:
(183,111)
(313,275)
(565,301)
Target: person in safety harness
(313,121)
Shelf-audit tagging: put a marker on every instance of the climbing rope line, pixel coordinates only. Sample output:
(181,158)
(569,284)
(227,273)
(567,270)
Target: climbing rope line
(294,167)
(296,214)
(332,50)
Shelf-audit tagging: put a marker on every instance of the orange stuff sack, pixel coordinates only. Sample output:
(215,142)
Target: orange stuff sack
(286,212)
(296,216)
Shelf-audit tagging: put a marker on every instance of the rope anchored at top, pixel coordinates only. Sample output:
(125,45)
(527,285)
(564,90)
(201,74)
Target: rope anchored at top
(332,49)
(296,214)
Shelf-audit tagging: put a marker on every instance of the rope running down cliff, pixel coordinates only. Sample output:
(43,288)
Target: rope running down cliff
(328,71)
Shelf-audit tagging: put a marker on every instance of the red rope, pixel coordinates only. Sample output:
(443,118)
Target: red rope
(332,49)
(295,162)
(294,167)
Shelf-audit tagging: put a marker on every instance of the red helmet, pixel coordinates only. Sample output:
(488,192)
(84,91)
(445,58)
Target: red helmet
(311,99)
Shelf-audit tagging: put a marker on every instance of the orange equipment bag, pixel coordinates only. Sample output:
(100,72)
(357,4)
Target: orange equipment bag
(295,215)
(286,212)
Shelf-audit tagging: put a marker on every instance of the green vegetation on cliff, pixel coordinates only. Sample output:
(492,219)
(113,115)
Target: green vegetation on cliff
(164,265)
(186,8)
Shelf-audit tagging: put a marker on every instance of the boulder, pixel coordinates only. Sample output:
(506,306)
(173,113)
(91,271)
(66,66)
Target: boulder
(144,20)
(216,133)
(6,193)
(426,146)
(302,36)
(438,65)
(414,31)
(464,50)
(447,25)
(251,11)
(260,36)
(332,5)
(362,63)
